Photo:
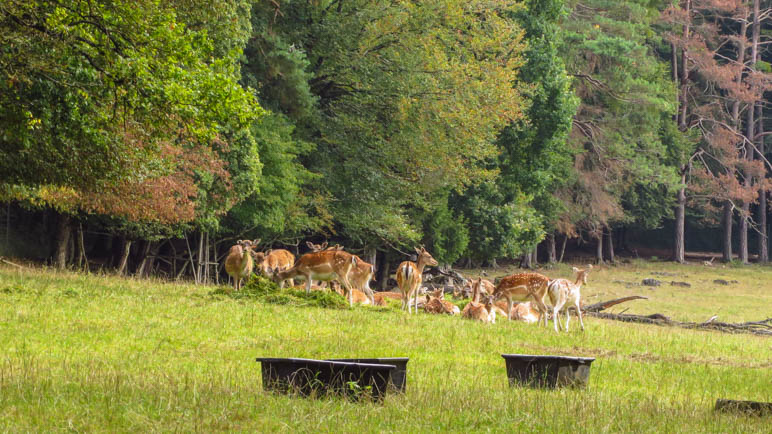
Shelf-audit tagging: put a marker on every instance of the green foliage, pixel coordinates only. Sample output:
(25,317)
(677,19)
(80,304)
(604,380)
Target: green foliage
(405,99)
(623,126)
(445,235)
(497,228)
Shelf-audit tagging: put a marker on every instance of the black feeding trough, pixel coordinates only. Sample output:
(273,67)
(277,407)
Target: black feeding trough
(398,374)
(318,377)
(754,408)
(547,371)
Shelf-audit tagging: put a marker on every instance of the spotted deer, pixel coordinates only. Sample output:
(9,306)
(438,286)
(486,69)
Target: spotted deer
(563,292)
(274,261)
(325,265)
(475,310)
(524,287)
(436,303)
(239,262)
(409,277)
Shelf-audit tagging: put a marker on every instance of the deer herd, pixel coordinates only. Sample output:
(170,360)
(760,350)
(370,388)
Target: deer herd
(520,297)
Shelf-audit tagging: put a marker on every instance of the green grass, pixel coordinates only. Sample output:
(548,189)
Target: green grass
(94,353)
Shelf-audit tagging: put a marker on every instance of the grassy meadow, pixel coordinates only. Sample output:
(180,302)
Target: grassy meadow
(99,353)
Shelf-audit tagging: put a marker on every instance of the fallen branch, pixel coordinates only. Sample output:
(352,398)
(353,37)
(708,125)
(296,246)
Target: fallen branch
(603,305)
(763,328)
(10,263)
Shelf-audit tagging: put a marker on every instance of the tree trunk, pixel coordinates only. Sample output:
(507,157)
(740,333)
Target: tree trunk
(610,245)
(744,208)
(599,248)
(763,239)
(680,219)
(527,263)
(552,254)
(494,264)
(200,259)
(143,258)
(749,125)
(124,260)
(535,260)
(383,277)
(82,258)
(727,223)
(370,255)
(63,234)
(563,248)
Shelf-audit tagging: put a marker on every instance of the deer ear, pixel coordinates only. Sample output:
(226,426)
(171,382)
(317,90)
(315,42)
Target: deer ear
(324,245)
(417,250)
(589,266)
(576,270)
(256,242)
(310,246)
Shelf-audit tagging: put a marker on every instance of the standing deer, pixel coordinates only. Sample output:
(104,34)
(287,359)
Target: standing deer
(239,263)
(562,292)
(409,277)
(274,261)
(360,276)
(325,265)
(521,287)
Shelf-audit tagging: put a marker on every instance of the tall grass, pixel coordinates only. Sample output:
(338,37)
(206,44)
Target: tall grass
(95,353)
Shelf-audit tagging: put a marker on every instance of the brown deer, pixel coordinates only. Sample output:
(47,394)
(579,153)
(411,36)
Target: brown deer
(522,287)
(274,261)
(562,292)
(239,262)
(409,277)
(436,303)
(361,275)
(325,265)
(474,310)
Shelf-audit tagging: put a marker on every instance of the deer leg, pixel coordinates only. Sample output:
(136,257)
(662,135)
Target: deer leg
(579,313)
(308,284)
(509,308)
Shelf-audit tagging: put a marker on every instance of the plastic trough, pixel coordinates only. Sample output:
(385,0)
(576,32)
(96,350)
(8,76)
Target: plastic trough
(311,377)
(398,374)
(547,371)
(754,408)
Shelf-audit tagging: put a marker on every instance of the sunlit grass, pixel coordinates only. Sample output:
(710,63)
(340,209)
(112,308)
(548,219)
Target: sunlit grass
(93,353)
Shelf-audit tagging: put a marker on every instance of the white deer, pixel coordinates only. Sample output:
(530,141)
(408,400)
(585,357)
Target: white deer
(563,292)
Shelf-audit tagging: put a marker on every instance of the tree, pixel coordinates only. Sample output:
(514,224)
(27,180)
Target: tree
(610,50)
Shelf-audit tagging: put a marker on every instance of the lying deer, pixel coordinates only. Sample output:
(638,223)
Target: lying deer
(485,311)
(563,292)
(523,287)
(409,277)
(239,262)
(436,303)
(274,261)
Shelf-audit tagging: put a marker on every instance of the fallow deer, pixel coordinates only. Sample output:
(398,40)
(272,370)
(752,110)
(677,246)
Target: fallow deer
(360,277)
(486,311)
(239,262)
(522,287)
(274,261)
(325,265)
(409,277)
(436,303)
(524,312)
(562,292)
